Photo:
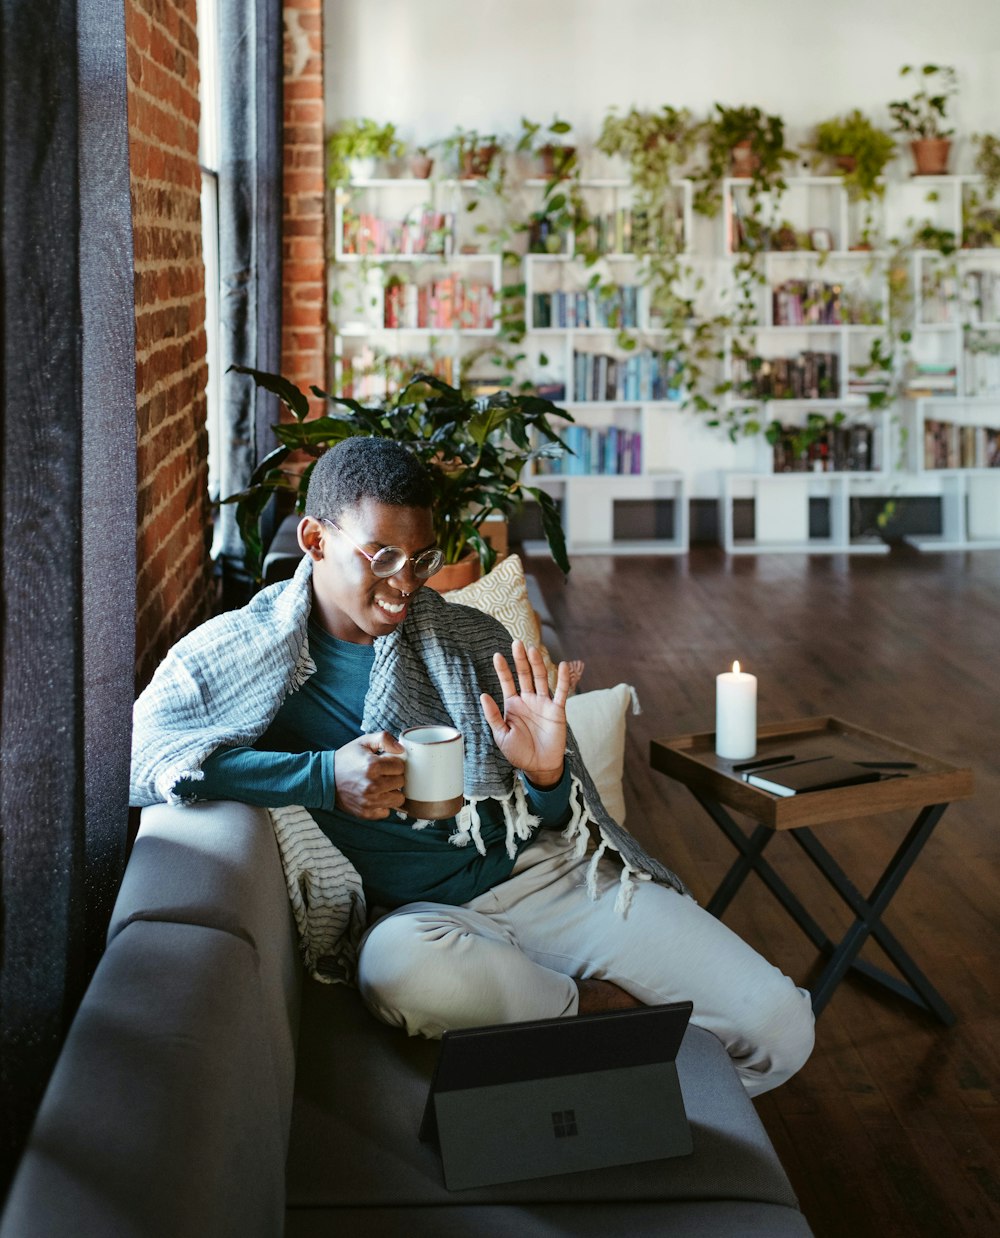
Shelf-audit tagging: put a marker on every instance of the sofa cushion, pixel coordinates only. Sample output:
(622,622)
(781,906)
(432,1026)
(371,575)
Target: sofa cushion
(216,864)
(598,722)
(360,1095)
(162,1116)
(503,594)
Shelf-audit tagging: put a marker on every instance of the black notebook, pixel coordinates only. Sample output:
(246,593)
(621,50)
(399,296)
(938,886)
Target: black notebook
(816,774)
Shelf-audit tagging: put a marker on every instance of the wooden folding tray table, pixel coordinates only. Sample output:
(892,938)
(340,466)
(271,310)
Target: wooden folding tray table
(921,782)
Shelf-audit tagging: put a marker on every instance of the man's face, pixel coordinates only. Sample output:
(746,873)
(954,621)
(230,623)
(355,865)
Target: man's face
(350,601)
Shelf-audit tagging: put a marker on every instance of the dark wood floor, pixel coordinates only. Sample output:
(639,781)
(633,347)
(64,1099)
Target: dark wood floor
(893,1127)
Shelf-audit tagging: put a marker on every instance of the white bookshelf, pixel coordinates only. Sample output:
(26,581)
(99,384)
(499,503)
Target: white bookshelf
(825,293)
(592,509)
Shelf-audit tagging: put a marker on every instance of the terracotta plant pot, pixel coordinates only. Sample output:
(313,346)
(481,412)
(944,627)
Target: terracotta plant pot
(555,158)
(845,163)
(930,156)
(457,575)
(421,166)
(476,163)
(742,160)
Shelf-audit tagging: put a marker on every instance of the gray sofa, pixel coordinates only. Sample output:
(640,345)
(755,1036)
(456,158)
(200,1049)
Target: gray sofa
(208,1087)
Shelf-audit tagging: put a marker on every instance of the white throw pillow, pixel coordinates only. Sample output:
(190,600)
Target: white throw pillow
(598,722)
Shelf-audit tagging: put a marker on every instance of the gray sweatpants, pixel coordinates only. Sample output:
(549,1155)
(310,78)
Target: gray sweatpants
(514,953)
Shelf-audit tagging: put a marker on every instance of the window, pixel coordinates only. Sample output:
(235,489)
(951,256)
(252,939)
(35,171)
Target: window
(208,157)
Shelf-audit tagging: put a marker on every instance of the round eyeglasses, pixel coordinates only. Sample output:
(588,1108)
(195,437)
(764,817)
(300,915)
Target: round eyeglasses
(392,559)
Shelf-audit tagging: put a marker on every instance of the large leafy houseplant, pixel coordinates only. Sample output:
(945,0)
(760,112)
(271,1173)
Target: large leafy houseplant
(475,447)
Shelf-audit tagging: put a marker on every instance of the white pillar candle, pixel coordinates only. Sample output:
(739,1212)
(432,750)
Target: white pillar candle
(735,714)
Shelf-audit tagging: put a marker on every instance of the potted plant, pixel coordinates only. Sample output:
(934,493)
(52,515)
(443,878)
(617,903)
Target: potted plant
(561,212)
(474,155)
(421,163)
(859,151)
(475,446)
(655,145)
(742,142)
(922,117)
(355,146)
(557,157)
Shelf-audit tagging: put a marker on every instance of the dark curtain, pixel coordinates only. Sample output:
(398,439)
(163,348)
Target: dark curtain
(250,209)
(67,522)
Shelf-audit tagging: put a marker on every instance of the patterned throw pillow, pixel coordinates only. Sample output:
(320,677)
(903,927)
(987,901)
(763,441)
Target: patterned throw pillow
(503,594)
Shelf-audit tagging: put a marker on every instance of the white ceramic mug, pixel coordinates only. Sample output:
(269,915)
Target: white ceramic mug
(434,784)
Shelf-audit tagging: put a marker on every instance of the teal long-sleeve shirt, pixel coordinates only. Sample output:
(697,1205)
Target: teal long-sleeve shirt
(294,763)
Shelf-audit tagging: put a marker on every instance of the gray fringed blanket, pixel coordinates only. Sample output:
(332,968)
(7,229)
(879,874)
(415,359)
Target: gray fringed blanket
(223,685)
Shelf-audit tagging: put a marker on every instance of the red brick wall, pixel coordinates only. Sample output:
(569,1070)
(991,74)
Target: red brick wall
(303,344)
(174,571)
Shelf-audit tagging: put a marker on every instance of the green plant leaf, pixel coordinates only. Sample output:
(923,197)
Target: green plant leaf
(293,399)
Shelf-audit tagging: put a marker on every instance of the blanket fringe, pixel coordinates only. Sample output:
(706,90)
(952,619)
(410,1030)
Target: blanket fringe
(468,825)
(592,869)
(579,816)
(518,817)
(626,890)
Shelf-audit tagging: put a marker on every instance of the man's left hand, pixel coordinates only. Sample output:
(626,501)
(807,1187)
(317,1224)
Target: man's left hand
(531,731)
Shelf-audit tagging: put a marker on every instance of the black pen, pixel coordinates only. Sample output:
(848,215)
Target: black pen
(790,756)
(887,764)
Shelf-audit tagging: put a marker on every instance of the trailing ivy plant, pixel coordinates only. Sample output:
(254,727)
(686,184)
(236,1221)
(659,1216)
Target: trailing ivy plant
(980,211)
(659,148)
(761,137)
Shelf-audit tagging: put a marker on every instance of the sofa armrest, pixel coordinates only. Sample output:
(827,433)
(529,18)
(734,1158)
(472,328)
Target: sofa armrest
(162,1117)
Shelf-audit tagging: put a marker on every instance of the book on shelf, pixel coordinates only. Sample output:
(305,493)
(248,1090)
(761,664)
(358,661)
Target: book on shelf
(441,304)
(950,445)
(806,303)
(627,231)
(932,378)
(551,390)
(421,232)
(810,375)
(596,450)
(837,449)
(586,309)
(641,377)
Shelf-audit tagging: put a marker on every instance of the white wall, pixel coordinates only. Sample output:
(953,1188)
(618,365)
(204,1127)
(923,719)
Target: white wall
(429,65)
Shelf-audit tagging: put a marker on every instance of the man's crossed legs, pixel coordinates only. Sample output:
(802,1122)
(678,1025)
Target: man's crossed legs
(518,951)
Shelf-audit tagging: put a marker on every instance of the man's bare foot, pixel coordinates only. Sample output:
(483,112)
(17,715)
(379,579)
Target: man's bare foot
(598,995)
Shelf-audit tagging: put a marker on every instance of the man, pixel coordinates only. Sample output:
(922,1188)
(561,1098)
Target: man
(498,915)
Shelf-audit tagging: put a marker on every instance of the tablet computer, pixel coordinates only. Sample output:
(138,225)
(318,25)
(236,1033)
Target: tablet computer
(551,1096)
